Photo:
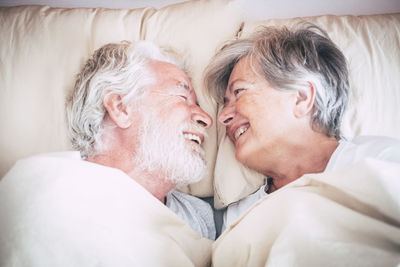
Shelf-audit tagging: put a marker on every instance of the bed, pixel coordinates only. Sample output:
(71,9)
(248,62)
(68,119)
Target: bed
(42,49)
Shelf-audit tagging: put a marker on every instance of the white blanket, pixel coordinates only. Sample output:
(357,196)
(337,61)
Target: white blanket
(67,212)
(344,218)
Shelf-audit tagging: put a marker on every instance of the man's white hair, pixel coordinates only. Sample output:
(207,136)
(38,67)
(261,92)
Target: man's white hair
(116,68)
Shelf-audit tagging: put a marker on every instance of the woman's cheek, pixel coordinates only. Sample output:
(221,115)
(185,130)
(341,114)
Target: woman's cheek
(247,106)
(248,110)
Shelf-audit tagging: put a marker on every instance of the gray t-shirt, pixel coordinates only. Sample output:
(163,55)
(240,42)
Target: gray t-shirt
(195,211)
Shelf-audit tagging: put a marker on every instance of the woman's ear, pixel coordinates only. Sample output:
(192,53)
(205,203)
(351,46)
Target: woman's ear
(305,98)
(118,111)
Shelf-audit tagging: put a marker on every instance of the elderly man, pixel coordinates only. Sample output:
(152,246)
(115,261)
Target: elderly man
(135,120)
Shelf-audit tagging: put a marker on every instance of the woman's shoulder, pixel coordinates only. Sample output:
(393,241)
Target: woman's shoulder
(377,147)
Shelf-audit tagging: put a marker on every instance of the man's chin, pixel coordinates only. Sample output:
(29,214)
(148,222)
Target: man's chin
(198,151)
(189,180)
(192,173)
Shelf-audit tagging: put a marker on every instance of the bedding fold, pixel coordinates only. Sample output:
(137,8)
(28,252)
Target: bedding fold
(63,211)
(343,218)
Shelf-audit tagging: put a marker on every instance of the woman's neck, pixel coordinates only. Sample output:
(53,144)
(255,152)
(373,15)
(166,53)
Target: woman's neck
(311,156)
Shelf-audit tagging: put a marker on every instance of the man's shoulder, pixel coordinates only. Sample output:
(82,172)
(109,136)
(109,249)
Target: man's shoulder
(72,154)
(44,164)
(43,160)
(62,172)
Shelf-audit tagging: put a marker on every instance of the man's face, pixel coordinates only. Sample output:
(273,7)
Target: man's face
(172,126)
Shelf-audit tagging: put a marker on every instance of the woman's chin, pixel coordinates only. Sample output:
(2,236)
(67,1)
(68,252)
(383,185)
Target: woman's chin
(238,154)
(242,156)
(243,148)
(250,159)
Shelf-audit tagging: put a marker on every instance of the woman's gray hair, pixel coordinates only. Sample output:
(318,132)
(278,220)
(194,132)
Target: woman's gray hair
(116,68)
(290,60)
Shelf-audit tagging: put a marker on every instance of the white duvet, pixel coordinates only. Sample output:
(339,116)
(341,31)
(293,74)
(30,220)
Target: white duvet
(343,218)
(62,211)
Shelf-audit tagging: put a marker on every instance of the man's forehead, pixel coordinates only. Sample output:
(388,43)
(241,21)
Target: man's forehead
(164,67)
(169,71)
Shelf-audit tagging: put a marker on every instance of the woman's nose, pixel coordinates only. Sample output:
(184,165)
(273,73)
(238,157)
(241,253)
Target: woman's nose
(201,117)
(226,115)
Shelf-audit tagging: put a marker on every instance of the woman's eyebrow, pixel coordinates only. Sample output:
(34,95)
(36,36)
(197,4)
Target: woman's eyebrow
(231,85)
(240,80)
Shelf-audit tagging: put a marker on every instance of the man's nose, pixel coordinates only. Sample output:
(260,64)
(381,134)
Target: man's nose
(226,115)
(201,117)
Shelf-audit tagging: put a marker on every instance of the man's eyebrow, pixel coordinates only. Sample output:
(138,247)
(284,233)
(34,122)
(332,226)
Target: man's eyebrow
(183,85)
(187,88)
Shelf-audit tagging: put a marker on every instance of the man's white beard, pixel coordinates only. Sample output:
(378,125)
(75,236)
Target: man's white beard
(164,150)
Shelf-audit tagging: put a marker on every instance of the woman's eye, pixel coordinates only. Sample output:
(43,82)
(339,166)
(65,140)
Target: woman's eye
(238,91)
(183,96)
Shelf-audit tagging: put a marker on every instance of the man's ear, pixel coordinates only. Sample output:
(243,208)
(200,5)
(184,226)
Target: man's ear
(305,100)
(118,112)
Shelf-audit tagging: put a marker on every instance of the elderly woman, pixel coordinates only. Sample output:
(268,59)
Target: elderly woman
(284,93)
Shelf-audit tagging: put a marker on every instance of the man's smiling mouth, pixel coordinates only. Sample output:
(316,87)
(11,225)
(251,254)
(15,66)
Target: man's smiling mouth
(193,137)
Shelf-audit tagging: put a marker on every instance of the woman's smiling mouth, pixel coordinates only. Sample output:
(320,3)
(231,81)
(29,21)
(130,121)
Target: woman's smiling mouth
(241,130)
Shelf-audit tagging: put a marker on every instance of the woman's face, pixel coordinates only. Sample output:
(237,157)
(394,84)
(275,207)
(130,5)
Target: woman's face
(258,117)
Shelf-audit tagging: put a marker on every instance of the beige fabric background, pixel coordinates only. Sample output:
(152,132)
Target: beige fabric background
(42,49)
(371,45)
